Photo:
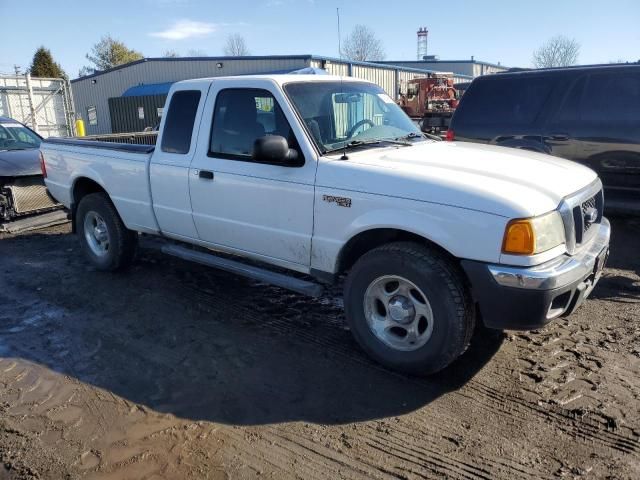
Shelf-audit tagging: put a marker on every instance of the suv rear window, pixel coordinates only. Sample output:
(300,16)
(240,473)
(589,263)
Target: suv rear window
(614,96)
(509,100)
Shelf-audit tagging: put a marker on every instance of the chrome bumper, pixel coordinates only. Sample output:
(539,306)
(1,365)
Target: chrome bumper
(559,272)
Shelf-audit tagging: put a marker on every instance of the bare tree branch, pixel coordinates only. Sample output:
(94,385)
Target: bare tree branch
(363,45)
(236,46)
(559,51)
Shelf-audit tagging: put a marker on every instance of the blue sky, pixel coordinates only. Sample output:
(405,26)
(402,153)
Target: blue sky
(491,30)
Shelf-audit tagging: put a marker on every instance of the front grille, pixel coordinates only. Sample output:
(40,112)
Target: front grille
(579,217)
(583,224)
(586,207)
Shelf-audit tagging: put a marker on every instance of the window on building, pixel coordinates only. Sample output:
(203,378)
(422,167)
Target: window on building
(92,115)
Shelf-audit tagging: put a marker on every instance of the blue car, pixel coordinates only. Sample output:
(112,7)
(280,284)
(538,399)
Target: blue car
(22,189)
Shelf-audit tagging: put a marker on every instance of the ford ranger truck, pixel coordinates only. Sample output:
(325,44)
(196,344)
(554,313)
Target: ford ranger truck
(300,180)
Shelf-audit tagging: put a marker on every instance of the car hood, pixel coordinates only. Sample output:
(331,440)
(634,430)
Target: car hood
(19,163)
(498,180)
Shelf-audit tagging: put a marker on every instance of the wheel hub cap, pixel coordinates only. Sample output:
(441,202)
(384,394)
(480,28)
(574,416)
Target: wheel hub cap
(398,313)
(96,234)
(401,309)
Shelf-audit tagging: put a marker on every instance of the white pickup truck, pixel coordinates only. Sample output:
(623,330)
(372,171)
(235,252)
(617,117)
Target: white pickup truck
(300,180)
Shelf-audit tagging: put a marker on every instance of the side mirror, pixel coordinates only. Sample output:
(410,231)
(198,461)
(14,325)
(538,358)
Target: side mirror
(273,149)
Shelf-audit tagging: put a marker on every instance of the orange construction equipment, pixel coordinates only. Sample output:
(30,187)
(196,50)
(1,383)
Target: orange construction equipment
(430,100)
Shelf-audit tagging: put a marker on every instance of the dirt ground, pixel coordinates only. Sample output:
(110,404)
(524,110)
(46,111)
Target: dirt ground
(172,370)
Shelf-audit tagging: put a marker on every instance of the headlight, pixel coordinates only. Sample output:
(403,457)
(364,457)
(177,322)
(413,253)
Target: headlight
(529,236)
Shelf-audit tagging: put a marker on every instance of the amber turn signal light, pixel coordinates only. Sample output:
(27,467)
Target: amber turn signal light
(519,238)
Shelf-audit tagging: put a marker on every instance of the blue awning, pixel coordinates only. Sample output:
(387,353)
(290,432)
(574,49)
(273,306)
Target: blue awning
(149,89)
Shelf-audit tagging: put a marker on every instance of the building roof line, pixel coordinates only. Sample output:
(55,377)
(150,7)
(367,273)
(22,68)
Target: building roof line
(476,62)
(183,59)
(260,57)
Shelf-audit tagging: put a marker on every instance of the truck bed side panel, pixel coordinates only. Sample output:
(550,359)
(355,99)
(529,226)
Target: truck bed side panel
(122,173)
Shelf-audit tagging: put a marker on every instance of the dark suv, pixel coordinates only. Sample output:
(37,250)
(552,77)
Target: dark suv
(588,114)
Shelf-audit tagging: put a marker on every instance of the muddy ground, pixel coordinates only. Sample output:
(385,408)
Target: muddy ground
(173,371)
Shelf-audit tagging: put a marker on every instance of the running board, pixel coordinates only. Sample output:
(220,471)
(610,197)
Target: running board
(262,275)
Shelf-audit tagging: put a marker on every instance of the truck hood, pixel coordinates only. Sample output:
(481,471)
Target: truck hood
(498,180)
(19,163)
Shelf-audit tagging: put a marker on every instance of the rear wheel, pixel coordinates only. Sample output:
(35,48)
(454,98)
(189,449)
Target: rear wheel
(409,308)
(104,239)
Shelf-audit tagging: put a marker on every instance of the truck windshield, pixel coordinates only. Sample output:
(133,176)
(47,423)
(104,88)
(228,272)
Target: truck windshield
(14,136)
(339,114)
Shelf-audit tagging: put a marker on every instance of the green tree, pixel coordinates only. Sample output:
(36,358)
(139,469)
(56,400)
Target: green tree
(43,65)
(109,53)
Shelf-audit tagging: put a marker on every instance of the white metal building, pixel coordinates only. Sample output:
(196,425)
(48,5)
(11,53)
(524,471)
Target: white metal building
(44,104)
(92,93)
(472,68)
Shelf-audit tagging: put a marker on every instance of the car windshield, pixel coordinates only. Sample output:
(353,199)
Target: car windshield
(339,114)
(15,136)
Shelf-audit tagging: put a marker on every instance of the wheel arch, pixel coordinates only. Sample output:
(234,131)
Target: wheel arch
(81,187)
(367,240)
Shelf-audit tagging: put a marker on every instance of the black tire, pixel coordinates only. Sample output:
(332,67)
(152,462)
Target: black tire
(122,242)
(448,297)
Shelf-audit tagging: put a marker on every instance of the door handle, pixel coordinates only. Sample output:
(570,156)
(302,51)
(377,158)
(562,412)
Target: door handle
(206,174)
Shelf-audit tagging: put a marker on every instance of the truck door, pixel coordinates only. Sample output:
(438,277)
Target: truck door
(169,168)
(261,209)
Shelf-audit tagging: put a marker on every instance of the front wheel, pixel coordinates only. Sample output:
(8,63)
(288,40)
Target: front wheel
(104,239)
(409,308)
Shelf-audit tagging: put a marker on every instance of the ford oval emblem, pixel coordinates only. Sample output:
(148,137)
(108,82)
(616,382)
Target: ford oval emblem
(590,215)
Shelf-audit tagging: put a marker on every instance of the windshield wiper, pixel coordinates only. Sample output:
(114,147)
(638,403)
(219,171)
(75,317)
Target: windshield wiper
(411,135)
(376,141)
(422,135)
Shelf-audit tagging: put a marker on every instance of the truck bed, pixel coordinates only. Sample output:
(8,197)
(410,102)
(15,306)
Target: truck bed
(122,147)
(121,169)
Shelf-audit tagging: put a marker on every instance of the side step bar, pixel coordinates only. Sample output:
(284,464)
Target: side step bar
(262,275)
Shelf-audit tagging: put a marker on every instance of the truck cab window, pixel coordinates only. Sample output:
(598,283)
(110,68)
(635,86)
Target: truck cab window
(241,116)
(176,136)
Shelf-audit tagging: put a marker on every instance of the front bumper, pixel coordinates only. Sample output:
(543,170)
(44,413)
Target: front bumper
(526,298)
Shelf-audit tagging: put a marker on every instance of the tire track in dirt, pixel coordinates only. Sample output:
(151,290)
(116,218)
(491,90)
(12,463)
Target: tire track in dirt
(295,459)
(583,428)
(335,342)
(133,441)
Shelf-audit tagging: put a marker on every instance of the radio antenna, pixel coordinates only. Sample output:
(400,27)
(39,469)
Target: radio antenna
(344,145)
(339,36)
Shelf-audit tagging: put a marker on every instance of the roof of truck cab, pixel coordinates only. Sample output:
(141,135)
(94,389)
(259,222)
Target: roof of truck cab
(277,78)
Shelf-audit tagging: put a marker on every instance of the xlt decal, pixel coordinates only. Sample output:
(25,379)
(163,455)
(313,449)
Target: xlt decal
(340,201)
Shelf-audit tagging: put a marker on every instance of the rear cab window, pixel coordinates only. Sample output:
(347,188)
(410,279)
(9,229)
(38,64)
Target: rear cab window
(178,126)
